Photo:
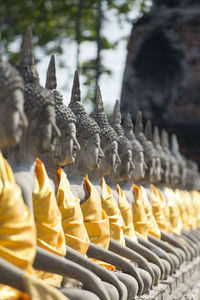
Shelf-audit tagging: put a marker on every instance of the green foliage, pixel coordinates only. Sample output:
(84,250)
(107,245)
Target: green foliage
(55,21)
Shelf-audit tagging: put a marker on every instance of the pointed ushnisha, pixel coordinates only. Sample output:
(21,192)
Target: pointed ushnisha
(51,82)
(148,131)
(85,125)
(138,124)
(99,102)
(156,136)
(174,144)
(164,139)
(128,124)
(116,117)
(27,57)
(76,93)
(107,133)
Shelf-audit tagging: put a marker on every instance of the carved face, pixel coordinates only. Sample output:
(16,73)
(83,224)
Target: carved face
(44,130)
(158,170)
(166,172)
(91,154)
(111,159)
(140,166)
(126,167)
(151,169)
(66,146)
(174,175)
(12,118)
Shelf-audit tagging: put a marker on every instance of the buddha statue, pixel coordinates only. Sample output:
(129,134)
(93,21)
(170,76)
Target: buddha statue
(149,151)
(165,163)
(64,153)
(38,194)
(181,161)
(17,230)
(158,166)
(95,219)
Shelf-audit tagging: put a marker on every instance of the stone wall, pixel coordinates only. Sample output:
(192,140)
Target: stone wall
(162,73)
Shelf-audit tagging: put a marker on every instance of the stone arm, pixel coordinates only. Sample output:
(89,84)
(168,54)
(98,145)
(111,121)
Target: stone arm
(125,266)
(173,240)
(102,273)
(26,187)
(11,275)
(158,251)
(166,247)
(146,253)
(50,262)
(126,252)
(190,235)
(191,245)
(195,232)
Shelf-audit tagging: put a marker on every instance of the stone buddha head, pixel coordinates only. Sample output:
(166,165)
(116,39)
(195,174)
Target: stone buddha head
(149,151)
(91,154)
(12,116)
(174,168)
(126,167)
(180,158)
(137,150)
(108,138)
(66,146)
(192,175)
(165,162)
(158,169)
(38,104)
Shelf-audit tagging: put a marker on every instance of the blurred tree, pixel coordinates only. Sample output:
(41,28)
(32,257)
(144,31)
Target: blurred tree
(55,21)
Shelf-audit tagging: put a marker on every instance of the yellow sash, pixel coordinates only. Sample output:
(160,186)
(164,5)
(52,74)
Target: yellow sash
(115,218)
(153,226)
(160,209)
(50,234)
(196,201)
(139,216)
(182,209)
(17,228)
(95,219)
(72,218)
(175,218)
(190,209)
(125,209)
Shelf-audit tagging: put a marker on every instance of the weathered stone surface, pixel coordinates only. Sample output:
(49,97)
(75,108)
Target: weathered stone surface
(162,72)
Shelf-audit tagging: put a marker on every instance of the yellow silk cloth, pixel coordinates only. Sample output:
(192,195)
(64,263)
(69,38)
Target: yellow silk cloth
(95,219)
(125,209)
(160,209)
(17,228)
(153,226)
(104,264)
(48,219)
(174,217)
(38,290)
(139,216)
(72,218)
(182,209)
(109,204)
(190,209)
(196,201)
